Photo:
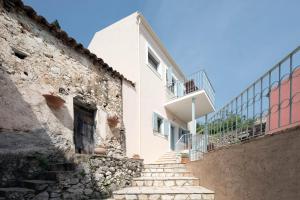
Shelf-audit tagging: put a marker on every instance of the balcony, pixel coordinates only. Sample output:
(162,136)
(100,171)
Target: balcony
(191,98)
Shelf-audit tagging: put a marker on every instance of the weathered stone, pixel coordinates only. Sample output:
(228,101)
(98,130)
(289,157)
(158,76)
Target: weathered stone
(88,191)
(42,196)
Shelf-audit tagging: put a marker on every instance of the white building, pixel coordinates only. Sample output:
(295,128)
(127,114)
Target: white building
(157,111)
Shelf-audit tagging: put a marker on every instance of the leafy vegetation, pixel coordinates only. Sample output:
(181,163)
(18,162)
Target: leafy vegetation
(230,123)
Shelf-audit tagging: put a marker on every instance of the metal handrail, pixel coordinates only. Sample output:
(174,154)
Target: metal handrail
(193,144)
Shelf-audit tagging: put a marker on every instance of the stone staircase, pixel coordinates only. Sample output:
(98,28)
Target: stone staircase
(40,188)
(165,180)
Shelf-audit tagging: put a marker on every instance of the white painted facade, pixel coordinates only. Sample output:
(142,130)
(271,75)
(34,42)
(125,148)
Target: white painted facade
(125,45)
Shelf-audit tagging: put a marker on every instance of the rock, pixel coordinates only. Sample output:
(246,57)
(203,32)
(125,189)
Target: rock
(42,196)
(55,70)
(88,191)
(100,150)
(73,181)
(54,195)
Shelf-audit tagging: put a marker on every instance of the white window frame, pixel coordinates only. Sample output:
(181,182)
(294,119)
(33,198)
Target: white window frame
(159,70)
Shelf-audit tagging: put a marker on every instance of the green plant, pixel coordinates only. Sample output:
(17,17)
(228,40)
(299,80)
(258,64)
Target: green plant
(230,123)
(82,173)
(184,155)
(56,24)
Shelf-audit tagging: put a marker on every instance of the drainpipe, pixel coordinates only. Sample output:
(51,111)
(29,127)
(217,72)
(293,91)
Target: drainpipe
(139,82)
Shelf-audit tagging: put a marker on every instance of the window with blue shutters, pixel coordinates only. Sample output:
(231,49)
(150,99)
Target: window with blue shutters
(160,125)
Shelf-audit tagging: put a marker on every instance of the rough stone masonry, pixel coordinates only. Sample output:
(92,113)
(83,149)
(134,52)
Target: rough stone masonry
(37,60)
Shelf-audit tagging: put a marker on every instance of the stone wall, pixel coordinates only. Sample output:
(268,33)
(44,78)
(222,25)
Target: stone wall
(261,169)
(87,177)
(37,151)
(34,62)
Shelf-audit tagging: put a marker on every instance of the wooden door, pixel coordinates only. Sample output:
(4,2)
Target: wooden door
(84,126)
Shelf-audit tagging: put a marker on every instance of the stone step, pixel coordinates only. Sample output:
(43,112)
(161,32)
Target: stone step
(17,193)
(169,156)
(166,162)
(53,175)
(167,165)
(165,169)
(166,174)
(38,185)
(61,167)
(165,181)
(164,193)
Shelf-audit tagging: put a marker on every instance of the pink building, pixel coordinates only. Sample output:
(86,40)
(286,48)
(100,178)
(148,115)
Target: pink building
(286,110)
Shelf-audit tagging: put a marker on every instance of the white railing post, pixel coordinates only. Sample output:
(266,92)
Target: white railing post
(205,134)
(193,116)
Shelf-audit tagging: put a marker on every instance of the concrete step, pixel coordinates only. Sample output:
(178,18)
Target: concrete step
(61,167)
(37,185)
(166,174)
(165,165)
(165,181)
(17,193)
(164,193)
(165,169)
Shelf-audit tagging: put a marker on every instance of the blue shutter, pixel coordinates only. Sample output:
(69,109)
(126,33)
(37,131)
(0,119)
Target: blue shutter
(166,127)
(169,76)
(154,122)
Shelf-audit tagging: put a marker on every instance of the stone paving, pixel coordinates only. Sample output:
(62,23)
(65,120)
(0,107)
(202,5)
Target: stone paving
(165,180)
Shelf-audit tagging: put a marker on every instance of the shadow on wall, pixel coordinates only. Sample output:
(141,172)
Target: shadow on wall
(63,115)
(20,130)
(33,147)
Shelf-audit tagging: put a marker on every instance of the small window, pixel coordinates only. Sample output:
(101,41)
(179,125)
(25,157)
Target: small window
(153,61)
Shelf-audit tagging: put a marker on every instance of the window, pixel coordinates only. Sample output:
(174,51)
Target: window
(154,62)
(160,125)
(171,81)
(173,86)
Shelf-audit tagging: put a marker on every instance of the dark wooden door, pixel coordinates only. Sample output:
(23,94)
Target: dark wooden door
(84,126)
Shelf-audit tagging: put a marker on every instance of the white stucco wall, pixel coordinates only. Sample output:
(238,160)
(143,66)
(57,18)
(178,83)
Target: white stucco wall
(124,46)
(153,97)
(117,44)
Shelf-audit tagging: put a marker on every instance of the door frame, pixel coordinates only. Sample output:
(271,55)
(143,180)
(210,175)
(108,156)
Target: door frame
(80,104)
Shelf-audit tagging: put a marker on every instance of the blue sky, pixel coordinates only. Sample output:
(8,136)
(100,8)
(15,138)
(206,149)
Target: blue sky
(235,41)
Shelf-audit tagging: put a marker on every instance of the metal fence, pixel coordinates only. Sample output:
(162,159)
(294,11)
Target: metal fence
(195,82)
(268,105)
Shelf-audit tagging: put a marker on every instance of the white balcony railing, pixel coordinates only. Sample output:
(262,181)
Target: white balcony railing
(195,82)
